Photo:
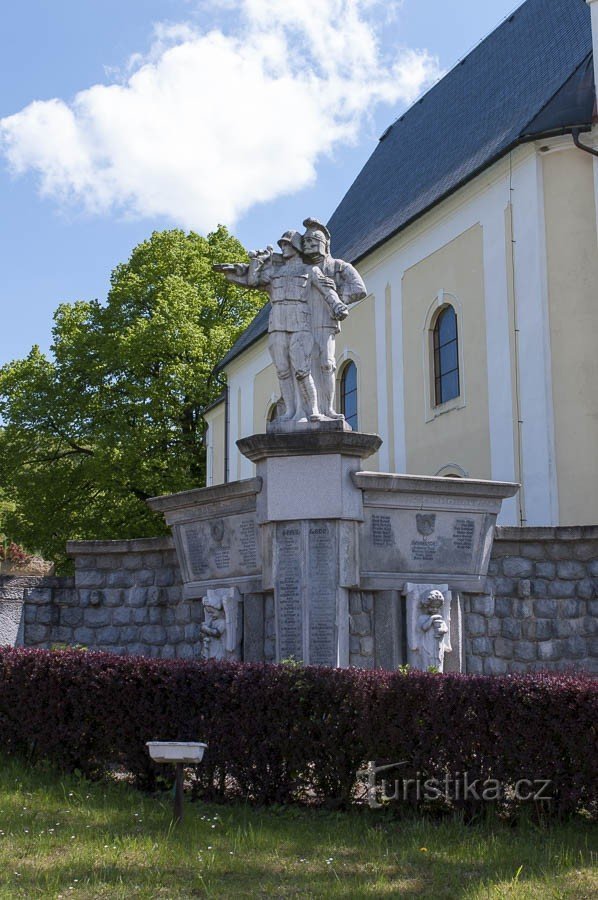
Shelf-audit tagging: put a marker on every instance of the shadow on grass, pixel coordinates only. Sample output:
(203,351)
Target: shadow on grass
(124,845)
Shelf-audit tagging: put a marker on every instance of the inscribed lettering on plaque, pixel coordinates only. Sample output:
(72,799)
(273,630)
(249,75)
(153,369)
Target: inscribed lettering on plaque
(225,547)
(289,590)
(411,541)
(322,590)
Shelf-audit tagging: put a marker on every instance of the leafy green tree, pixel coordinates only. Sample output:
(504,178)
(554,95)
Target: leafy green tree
(114,416)
(6,507)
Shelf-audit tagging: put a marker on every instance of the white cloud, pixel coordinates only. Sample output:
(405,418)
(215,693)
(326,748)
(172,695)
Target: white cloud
(213,120)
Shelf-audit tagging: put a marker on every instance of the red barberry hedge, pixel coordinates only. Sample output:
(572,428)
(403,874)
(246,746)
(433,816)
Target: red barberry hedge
(286,734)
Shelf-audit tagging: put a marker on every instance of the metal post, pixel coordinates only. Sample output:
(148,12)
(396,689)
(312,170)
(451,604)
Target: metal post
(178,793)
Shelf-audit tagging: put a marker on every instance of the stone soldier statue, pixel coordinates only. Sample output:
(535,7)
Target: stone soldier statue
(325,322)
(291,284)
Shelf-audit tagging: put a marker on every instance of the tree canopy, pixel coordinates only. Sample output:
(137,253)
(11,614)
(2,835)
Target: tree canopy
(114,415)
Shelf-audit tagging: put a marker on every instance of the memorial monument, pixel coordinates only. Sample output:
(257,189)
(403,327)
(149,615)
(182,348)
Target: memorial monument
(312,531)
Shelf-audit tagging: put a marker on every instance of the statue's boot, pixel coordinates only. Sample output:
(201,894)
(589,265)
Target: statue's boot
(307,389)
(328,385)
(287,389)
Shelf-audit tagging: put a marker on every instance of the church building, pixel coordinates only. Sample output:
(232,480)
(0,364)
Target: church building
(474,227)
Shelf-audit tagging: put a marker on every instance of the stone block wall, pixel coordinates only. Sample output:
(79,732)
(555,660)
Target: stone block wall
(126,597)
(376,626)
(29,607)
(541,609)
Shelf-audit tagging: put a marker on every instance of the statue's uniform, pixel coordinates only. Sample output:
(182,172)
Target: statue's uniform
(350,288)
(293,287)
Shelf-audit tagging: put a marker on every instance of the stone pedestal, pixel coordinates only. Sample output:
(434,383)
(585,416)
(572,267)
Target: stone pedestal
(309,510)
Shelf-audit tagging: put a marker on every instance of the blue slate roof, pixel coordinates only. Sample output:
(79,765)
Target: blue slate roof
(474,115)
(532,76)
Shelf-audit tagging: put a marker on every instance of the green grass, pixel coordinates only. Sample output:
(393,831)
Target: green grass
(62,837)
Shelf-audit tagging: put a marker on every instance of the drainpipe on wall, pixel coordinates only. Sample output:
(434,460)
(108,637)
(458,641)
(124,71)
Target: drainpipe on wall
(521,506)
(593,4)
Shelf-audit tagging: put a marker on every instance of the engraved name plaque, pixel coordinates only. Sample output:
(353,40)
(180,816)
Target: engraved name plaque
(322,589)
(225,547)
(288,589)
(427,529)
(408,541)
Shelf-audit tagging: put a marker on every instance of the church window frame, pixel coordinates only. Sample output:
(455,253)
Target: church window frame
(349,393)
(445,340)
(434,404)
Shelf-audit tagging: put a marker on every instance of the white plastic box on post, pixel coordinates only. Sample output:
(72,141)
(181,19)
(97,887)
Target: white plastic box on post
(178,753)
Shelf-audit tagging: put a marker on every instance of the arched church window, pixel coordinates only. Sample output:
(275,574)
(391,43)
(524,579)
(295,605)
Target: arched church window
(446,356)
(348,394)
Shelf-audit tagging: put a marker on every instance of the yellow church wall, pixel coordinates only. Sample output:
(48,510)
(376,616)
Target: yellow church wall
(265,392)
(457,436)
(572,264)
(357,342)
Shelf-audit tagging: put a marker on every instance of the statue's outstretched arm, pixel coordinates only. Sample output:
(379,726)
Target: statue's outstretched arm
(254,274)
(236,273)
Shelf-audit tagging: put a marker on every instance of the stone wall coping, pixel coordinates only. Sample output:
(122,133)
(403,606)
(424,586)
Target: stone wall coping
(358,444)
(231,490)
(546,533)
(137,545)
(36,581)
(433,484)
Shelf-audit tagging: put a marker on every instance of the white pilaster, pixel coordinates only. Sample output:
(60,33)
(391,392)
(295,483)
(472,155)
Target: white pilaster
(396,318)
(593,4)
(378,287)
(535,369)
(498,350)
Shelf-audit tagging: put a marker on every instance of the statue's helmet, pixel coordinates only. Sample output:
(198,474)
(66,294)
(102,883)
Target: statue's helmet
(314,227)
(290,237)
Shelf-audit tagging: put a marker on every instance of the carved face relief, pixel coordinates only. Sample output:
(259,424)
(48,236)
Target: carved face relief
(287,250)
(213,611)
(433,603)
(314,243)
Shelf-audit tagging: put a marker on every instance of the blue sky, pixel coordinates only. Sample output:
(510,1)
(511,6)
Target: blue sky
(185,136)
